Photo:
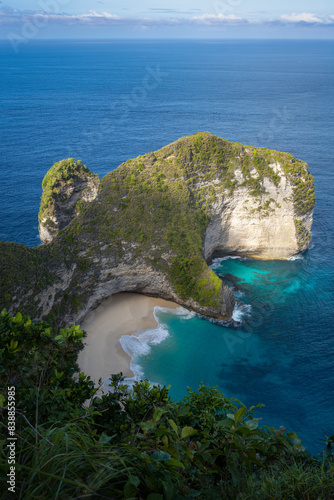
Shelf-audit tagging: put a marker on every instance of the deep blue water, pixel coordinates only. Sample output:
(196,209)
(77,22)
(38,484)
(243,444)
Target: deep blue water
(105,102)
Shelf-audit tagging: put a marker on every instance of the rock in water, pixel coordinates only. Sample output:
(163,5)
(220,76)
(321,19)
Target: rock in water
(231,277)
(155,225)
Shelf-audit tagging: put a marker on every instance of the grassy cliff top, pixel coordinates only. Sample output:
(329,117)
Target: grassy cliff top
(61,175)
(152,210)
(65,171)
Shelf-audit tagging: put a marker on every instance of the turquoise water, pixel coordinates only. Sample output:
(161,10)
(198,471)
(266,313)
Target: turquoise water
(275,351)
(85,100)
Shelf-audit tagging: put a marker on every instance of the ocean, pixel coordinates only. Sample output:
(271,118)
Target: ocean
(106,101)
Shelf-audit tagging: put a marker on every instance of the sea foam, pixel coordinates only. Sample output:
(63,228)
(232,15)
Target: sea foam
(299,256)
(139,344)
(240,311)
(180,311)
(217,262)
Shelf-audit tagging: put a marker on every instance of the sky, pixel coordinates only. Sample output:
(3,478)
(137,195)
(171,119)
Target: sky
(38,19)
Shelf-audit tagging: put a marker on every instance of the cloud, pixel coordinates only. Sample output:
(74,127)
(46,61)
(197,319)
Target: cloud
(93,16)
(214,19)
(10,16)
(305,17)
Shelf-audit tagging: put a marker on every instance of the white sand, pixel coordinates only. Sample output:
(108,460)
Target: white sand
(120,314)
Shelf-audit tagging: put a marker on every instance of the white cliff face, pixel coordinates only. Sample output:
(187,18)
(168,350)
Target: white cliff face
(259,227)
(48,228)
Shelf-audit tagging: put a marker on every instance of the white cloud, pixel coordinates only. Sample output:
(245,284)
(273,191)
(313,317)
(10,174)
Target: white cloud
(305,17)
(92,18)
(10,16)
(210,19)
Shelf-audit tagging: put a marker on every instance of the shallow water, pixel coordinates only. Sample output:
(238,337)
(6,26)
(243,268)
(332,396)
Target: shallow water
(272,352)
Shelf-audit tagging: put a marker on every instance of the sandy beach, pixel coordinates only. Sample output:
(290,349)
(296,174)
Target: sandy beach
(120,314)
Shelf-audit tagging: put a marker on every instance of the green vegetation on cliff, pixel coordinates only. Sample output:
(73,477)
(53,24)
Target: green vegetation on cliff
(152,210)
(304,236)
(57,185)
(136,444)
(302,180)
(23,268)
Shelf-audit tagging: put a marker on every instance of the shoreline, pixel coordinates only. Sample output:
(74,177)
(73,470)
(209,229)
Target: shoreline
(118,315)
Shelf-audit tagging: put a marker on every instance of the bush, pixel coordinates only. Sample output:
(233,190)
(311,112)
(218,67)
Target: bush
(137,443)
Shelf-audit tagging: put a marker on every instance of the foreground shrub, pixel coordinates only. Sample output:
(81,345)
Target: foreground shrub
(136,444)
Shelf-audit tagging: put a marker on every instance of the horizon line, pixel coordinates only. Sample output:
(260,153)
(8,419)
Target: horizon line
(6,39)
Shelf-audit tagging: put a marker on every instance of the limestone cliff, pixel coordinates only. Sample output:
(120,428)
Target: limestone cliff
(270,222)
(157,222)
(67,188)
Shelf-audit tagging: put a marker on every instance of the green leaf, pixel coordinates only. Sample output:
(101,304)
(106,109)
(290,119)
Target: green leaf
(58,374)
(175,463)
(164,439)
(147,426)
(150,483)
(130,488)
(244,430)
(292,435)
(18,317)
(173,425)
(155,496)
(168,490)
(252,424)
(260,405)
(187,431)
(239,413)
(12,347)
(157,414)
(224,423)
(160,456)
(230,416)
(2,400)
(104,439)
(184,410)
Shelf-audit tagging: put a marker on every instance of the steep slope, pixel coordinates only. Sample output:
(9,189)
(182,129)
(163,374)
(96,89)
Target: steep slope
(158,220)
(67,188)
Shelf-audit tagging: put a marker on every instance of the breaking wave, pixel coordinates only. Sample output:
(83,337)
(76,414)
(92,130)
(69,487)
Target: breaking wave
(240,312)
(217,262)
(140,343)
(299,256)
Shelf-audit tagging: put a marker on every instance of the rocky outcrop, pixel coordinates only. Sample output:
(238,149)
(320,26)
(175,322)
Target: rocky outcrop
(155,225)
(135,277)
(67,188)
(265,226)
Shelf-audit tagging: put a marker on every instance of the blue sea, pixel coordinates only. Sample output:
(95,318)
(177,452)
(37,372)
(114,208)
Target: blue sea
(105,102)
